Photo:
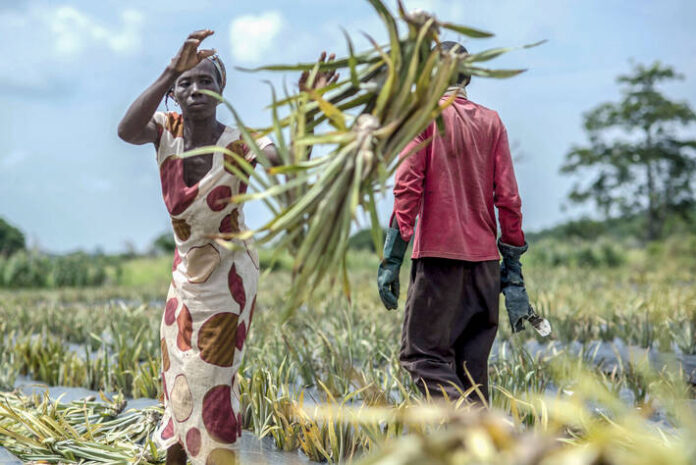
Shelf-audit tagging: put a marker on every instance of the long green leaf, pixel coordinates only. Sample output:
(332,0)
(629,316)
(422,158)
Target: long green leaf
(467,31)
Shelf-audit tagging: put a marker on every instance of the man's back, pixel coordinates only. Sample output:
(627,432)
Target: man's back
(453,184)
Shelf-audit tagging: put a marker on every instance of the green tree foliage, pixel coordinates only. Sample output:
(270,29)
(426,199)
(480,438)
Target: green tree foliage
(362,240)
(165,243)
(637,157)
(11,239)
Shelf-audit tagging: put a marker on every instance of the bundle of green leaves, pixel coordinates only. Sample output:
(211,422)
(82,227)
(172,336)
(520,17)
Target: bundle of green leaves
(392,93)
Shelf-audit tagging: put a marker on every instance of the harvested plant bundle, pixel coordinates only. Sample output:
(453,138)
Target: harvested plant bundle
(38,429)
(393,92)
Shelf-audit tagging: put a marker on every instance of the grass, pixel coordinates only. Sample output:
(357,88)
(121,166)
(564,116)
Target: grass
(344,356)
(148,271)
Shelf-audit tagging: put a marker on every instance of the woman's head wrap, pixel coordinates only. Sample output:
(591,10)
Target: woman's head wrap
(220,69)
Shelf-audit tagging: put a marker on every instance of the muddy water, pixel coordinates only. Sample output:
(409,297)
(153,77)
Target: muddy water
(607,355)
(8,459)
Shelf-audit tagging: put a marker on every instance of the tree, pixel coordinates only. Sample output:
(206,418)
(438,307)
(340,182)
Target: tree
(11,239)
(637,156)
(164,243)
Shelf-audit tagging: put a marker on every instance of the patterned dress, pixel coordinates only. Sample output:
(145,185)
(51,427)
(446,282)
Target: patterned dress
(210,302)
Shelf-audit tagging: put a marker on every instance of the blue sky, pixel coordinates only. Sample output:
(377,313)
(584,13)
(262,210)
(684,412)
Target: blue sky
(70,69)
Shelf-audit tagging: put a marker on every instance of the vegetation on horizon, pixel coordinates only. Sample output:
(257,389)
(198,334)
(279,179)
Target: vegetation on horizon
(638,157)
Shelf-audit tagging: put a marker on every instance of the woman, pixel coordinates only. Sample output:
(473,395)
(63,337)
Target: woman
(213,291)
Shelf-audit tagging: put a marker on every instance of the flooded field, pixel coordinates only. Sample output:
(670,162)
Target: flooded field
(622,350)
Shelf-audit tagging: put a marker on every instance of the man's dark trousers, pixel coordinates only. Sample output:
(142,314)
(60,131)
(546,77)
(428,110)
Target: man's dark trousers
(451,319)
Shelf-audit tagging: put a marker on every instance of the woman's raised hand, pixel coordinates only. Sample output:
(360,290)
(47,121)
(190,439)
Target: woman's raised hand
(189,55)
(322,79)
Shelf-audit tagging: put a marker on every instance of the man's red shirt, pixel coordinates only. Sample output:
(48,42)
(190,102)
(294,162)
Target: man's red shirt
(453,184)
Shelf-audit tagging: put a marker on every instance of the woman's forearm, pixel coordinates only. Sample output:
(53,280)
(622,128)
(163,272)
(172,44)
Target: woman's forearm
(137,126)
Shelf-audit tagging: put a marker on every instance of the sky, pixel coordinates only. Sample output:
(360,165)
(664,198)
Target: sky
(70,69)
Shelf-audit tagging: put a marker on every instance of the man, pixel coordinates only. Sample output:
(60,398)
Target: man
(453,184)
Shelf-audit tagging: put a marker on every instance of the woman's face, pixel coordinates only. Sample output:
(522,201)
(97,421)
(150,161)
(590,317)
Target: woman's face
(193,103)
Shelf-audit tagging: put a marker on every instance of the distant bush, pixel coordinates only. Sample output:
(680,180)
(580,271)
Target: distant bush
(362,240)
(78,270)
(11,239)
(626,229)
(165,243)
(35,270)
(24,269)
(272,259)
(582,254)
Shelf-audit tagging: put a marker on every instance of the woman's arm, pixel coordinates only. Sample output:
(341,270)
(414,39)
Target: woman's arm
(137,126)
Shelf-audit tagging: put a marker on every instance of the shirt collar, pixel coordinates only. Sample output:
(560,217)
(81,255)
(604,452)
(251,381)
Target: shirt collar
(460,91)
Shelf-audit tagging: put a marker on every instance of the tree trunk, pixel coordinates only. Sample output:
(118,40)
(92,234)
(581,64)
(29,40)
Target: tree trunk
(653,229)
(652,212)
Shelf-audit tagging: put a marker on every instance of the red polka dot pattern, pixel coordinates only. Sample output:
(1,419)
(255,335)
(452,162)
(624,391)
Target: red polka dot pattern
(170,310)
(230,223)
(181,399)
(241,149)
(164,387)
(253,307)
(241,336)
(165,355)
(177,196)
(216,338)
(202,416)
(221,456)
(236,286)
(243,187)
(219,417)
(168,431)
(182,229)
(193,441)
(219,198)
(177,259)
(185,324)
(175,124)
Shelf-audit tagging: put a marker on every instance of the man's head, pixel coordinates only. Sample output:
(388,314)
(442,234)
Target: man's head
(210,75)
(447,46)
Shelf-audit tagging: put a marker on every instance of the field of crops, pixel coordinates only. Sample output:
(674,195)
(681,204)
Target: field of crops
(613,385)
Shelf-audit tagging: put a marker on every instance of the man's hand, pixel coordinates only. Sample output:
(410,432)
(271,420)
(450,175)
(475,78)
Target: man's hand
(388,272)
(512,285)
(189,55)
(322,79)
(388,283)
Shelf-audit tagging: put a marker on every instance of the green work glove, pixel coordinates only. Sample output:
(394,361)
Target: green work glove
(512,285)
(388,273)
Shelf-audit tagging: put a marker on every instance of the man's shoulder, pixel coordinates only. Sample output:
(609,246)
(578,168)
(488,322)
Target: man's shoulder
(481,110)
(485,111)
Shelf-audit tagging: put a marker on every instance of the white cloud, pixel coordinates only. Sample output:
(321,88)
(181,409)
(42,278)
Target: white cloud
(74,31)
(251,36)
(47,38)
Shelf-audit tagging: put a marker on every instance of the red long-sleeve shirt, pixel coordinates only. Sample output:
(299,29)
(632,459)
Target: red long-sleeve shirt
(453,183)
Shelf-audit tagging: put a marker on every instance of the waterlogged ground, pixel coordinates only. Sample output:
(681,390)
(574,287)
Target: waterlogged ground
(624,332)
